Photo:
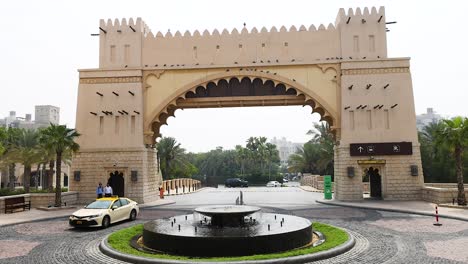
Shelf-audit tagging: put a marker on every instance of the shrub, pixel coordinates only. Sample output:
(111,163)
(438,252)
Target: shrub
(7,192)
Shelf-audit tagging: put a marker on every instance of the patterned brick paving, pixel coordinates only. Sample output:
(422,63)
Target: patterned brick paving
(380,237)
(15,248)
(455,249)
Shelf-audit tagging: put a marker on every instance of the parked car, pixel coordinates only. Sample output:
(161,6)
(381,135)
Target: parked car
(273,184)
(236,182)
(285,180)
(105,211)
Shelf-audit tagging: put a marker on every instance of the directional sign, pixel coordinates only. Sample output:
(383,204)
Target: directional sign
(375,149)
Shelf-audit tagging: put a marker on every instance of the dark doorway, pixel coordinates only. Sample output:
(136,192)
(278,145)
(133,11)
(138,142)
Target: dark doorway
(116,181)
(375,182)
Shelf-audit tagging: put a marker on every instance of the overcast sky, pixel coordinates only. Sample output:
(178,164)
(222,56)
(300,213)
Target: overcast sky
(43,44)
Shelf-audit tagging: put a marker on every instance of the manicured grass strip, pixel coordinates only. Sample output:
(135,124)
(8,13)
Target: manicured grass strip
(120,241)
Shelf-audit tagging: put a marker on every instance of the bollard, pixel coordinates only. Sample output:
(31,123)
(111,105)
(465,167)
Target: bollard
(195,229)
(437,218)
(161,193)
(268,227)
(172,224)
(179,227)
(453,201)
(185,218)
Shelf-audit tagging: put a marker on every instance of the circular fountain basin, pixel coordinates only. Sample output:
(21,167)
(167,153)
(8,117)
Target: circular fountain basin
(194,234)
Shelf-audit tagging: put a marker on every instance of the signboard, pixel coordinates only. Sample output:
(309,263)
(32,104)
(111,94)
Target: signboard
(375,149)
(327,187)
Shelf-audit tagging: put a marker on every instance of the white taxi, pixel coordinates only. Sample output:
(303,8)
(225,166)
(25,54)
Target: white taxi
(105,211)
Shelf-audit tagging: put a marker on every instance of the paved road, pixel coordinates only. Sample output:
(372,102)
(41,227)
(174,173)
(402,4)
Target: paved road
(382,237)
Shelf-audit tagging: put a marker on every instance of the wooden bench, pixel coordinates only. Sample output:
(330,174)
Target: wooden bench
(11,204)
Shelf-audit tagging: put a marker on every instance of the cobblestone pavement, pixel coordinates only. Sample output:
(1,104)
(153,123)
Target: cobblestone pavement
(381,237)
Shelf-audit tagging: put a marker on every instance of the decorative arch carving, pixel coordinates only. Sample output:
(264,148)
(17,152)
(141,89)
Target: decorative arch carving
(160,115)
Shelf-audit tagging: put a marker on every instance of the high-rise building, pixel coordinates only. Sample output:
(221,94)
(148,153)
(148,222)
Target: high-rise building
(46,114)
(427,118)
(285,148)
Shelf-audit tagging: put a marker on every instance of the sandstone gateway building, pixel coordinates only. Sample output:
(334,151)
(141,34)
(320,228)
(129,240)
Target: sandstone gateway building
(341,70)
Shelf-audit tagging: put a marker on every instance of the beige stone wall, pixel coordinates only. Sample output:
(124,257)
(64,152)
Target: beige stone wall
(382,124)
(101,130)
(397,182)
(356,34)
(46,199)
(95,166)
(440,195)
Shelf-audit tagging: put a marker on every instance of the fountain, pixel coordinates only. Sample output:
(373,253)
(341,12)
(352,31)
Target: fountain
(226,230)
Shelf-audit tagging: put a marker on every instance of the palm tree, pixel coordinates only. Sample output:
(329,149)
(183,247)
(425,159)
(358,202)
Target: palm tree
(272,154)
(9,142)
(169,151)
(241,155)
(3,136)
(454,132)
(26,152)
(323,137)
(59,139)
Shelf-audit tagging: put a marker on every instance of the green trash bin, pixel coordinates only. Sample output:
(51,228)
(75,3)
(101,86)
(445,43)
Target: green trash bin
(327,187)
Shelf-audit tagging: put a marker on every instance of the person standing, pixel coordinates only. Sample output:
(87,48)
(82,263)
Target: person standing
(107,191)
(99,191)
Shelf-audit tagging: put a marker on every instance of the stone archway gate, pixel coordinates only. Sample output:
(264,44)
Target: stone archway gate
(341,70)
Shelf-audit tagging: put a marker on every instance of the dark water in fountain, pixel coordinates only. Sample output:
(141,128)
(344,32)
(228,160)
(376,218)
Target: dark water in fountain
(194,234)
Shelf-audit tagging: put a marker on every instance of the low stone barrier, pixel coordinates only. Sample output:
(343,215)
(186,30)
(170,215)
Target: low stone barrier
(315,181)
(46,199)
(41,199)
(439,195)
(180,186)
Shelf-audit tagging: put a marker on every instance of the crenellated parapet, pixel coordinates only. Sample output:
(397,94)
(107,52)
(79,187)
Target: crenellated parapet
(355,35)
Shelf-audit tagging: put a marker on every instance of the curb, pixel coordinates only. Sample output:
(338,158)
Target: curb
(395,210)
(36,220)
(306,190)
(66,216)
(110,252)
(142,206)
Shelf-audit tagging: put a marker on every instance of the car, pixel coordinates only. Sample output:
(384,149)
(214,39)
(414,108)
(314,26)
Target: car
(273,184)
(105,211)
(285,180)
(236,182)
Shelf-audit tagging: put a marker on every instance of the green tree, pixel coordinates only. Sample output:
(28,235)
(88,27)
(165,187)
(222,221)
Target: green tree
(10,141)
(3,136)
(60,140)
(454,132)
(26,151)
(323,136)
(306,159)
(272,155)
(241,158)
(169,152)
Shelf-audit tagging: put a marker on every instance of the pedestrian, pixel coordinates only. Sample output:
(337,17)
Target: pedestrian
(100,191)
(107,191)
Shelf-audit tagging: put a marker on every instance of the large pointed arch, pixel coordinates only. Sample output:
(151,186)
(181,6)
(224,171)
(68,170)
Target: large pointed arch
(302,96)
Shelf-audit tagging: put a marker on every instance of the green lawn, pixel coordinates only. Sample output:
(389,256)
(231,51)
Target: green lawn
(120,241)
